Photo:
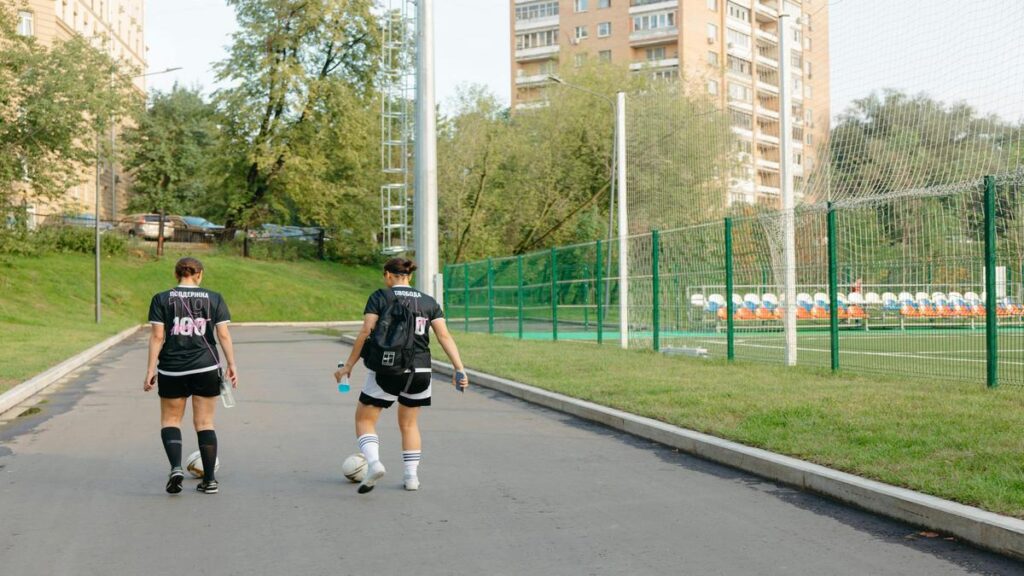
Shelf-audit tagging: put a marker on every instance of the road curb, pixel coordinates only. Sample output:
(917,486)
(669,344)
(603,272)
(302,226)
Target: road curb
(29,388)
(988,530)
(338,324)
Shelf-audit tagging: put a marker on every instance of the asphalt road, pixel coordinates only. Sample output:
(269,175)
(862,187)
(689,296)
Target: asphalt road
(507,488)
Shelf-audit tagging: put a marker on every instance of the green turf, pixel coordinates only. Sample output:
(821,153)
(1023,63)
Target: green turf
(951,439)
(47,313)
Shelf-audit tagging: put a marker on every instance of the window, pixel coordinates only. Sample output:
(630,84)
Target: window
(712,32)
(798,159)
(713,5)
(580,5)
(604,29)
(26,24)
(741,119)
(655,53)
(743,146)
(713,87)
(537,39)
(581,32)
(810,139)
(654,21)
(739,92)
(739,12)
(808,92)
(604,55)
(604,3)
(738,39)
(666,74)
(535,11)
(713,59)
(581,59)
(809,73)
(807,44)
(739,66)
(797,59)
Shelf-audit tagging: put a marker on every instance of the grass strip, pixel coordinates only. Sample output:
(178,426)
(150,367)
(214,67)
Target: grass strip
(952,440)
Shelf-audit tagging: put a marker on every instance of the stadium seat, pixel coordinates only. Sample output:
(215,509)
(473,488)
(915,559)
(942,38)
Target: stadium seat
(715,303)
(858,305)
(698,301)
(958,305)
(924,305)
(908,307)
(975,304)
(942,306)
(752,301)
(890,303)
(803,300)
(770,309)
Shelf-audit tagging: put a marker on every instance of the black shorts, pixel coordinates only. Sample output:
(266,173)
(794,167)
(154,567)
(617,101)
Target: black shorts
(206,384)
(382,391)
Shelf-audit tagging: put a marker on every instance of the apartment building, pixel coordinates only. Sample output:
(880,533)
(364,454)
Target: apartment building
(116,26)
(730,48)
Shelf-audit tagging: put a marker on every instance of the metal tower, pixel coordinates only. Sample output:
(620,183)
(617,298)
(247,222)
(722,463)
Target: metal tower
(398,98)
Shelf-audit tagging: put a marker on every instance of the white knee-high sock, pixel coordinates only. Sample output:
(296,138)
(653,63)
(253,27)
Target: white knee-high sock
(411,460)
(369,445)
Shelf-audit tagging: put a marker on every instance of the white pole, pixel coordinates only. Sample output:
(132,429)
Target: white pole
(620,150)
(97,245)
(786,176)
(425,198)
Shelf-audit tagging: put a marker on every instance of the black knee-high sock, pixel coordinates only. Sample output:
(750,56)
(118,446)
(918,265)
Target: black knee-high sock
(208,452)
(172,445)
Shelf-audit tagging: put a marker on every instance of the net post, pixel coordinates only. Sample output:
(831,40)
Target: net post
(490,296)
(599,272)
(991,319)
(730,320)
(519,292)
(833,287)
(445,283)
(465,299)
(554,294)
(655,295)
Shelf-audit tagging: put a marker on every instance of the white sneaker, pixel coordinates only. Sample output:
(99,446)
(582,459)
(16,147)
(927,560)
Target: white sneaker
(374,471)
(412,483)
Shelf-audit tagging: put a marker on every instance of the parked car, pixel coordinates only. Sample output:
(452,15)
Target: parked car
(84,220)
(195,229)
(146,226)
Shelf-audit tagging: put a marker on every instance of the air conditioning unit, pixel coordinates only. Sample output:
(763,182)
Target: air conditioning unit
(730,45)
(711,40)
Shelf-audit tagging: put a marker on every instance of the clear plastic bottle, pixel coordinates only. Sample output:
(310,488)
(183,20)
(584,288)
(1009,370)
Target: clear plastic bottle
(343,385)
(227,395)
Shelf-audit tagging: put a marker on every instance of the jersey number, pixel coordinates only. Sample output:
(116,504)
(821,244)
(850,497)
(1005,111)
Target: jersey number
(188,327)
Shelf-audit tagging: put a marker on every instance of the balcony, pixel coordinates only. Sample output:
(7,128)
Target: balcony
(641,6)
(526,80)
(654,37)
(538,53)
(654,64)
(768,80)
(536,23)
(768,52)
(766,10)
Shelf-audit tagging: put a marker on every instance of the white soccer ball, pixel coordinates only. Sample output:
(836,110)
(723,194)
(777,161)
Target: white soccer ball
(194,464)
(354,468)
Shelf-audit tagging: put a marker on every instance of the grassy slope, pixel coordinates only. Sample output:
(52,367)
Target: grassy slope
(46,304)
(956,441)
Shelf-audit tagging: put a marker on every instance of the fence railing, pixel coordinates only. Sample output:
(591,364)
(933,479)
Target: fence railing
(924,284)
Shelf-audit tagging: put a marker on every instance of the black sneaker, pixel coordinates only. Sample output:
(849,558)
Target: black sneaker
(207,487)
(174,481)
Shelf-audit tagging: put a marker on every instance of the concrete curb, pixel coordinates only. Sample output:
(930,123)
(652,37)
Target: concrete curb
(31,387)
(338,324)
(994,532)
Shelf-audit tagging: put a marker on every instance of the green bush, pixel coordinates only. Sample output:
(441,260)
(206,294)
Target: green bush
(59,239)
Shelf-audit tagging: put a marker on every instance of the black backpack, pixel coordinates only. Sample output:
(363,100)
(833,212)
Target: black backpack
(390,347)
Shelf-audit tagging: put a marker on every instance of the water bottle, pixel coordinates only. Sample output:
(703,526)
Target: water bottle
(227,396)
(343,385)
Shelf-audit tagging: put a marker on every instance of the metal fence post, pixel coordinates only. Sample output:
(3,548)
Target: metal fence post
(554,294)
(519,293)
(446,284)
(730,325)
(490,296)
(833,287)
(655,292)
(465,299)
(598,272)
(991,319)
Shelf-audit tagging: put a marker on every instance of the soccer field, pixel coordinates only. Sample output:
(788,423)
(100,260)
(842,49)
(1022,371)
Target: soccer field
(941,353)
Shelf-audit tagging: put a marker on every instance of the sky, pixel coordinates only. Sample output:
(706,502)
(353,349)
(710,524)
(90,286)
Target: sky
(952,49)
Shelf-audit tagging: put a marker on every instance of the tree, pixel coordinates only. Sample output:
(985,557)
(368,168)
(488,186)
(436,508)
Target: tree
(300,118)
(168,151)
(53,104)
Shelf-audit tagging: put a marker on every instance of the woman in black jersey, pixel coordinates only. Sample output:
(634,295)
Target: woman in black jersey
(412,389)
(183,362)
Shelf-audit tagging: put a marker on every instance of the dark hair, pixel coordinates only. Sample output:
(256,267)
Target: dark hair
(187,267)
(400,266)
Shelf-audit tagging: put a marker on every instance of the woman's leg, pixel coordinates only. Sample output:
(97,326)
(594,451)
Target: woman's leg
(411,453)
(172,410)
(203,409)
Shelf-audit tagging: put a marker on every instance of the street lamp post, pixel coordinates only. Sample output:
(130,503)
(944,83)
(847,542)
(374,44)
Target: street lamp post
(617,187)
(113,190)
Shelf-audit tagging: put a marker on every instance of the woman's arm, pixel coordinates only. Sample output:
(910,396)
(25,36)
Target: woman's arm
(444,338)
(156,343)
(369,322)
(226,344)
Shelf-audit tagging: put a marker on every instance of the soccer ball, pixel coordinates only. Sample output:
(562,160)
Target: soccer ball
(194,464)
(354,468)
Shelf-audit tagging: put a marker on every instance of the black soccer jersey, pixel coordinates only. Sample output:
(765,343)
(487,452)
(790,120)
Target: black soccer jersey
(423,307)
(189,315)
